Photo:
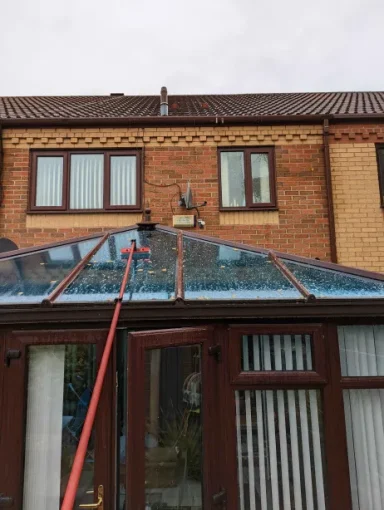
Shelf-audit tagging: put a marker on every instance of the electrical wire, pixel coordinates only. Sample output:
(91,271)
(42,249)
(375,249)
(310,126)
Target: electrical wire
(163,185)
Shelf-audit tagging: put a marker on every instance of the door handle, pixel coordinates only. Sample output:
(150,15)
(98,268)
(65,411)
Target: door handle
(100,500)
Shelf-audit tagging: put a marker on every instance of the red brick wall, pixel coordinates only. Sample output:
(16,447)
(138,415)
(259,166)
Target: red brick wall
(301,194)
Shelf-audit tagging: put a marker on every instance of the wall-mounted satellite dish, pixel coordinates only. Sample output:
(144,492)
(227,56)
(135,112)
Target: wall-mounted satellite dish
(187,199)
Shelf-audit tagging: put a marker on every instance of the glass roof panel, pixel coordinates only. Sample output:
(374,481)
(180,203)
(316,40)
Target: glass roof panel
(29,278)
(152,274)
(328,283)
(214,271)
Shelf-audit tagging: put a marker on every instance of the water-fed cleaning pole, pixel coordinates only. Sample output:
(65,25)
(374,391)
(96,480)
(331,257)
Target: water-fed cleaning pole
(74,478)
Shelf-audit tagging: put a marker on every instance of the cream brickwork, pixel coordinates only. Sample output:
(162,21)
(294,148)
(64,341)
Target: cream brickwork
(112,220)
(59,138)
(249,218)
(358,216)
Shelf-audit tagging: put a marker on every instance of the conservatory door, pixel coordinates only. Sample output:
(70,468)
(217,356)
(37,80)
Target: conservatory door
(48,379)
(175,452)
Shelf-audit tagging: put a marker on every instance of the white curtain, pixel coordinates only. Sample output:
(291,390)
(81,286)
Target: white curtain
(232,179)
(362,354)
(260,178)
(364,412)
(42,470)
(361,350)
(277,352)
(87,181)
(123,180)
(49,181)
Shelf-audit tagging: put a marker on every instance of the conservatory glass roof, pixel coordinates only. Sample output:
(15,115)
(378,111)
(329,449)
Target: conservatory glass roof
(170,265)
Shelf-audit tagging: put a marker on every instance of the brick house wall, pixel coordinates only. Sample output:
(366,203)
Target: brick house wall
(176,155)
(359,218)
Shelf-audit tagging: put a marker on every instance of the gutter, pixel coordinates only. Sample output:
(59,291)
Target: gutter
(177,120)
(328,183)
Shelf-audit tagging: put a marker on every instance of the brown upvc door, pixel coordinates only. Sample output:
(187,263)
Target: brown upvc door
(175,448)
(47,380)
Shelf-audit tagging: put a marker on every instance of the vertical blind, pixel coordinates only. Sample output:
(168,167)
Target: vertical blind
(232,179)
(279,432)
(49,181)
(280,450)
(123,180)
(276,352)
(361,355)
(87,181)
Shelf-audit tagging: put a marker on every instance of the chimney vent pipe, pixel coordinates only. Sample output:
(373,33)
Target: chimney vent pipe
(163,101)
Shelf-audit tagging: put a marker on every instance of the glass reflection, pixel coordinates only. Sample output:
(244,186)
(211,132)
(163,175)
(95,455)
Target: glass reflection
(152,274)
(32,277)
(173,438)
(327,283)
(213,271)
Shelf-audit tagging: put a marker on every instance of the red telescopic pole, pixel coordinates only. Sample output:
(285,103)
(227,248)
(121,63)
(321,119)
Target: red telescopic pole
(73,482)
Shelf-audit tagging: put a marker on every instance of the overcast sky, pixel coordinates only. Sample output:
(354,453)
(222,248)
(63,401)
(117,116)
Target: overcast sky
(67,47)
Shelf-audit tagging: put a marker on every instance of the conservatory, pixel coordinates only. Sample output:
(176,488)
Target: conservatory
(150,368)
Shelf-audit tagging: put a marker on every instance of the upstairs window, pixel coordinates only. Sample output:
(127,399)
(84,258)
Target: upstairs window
(380,162)
(247,178)
(85,181)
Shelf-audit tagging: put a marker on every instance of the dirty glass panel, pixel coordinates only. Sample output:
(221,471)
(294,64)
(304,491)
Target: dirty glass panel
(276,352)
(173,436)
(326,283)
(32,277)
(361,350)
(152,274)
(60,383)
(280,449)
(212,271)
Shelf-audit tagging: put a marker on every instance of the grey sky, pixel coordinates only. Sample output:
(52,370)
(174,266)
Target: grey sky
(199,46)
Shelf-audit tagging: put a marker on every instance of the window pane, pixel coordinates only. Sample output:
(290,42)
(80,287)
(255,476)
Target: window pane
(364,412)
(381,171)
(260,178)
(280,449)
(49,181)
(361,350)
(123,180)
(276,352)
(87,180)
(173,441)
(60,382)
(232,179)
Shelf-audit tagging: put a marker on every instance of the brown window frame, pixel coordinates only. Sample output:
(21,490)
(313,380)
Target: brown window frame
(249,204)
(380,171)
(66,155)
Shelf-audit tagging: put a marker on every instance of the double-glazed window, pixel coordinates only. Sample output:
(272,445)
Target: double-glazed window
(85,181)
(247,178)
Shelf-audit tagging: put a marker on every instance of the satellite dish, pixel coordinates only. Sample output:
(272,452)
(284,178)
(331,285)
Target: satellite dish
(187,199)
(7,245)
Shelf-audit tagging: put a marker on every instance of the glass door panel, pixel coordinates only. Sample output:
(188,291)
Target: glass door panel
(173,437)
(60,382)
(172,407)
(48,385)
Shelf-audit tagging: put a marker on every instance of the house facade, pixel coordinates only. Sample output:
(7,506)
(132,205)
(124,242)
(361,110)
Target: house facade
(316,154)
(228,363)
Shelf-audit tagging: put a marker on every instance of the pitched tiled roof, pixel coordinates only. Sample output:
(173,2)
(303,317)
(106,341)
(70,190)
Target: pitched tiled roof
(230,105)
